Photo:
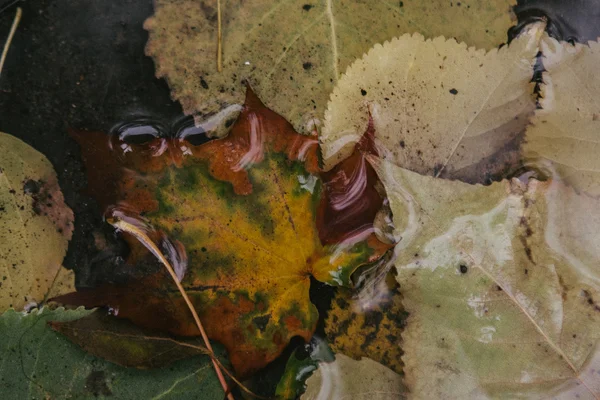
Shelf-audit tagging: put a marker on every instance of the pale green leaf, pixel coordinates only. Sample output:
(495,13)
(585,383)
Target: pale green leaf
(348,379)
(502,287)
(564,138)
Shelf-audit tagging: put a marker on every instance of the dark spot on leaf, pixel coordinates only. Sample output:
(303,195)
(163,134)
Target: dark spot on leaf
(402,144)
(261,322)
(32,187)
(307,7)
(401,4)
(203,83)
(95,383)
(363,92)
(463,269)
(453,91)
(590,300)
(307,65)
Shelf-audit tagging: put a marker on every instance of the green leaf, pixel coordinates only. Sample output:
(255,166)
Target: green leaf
(502,284)
(38,363)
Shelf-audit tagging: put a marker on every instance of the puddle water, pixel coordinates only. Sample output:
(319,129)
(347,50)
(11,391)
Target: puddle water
(425,265)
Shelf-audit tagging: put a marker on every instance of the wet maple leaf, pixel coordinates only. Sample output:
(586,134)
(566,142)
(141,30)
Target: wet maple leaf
(245,210)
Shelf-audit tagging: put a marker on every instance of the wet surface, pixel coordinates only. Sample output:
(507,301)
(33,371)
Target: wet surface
(81,65)
(76,64)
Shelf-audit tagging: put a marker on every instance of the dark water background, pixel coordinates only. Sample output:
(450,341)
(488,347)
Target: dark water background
(81,63)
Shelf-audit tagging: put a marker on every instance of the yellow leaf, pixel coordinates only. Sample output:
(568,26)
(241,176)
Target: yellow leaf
(35,227)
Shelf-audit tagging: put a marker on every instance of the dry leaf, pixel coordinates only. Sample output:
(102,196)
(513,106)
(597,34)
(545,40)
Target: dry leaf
(35,227)
(349,379)
(565,135)
(439,107)
(502,284)
(292,52)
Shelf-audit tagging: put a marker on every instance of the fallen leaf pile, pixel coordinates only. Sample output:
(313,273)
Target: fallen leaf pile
(293,52)
(449,199)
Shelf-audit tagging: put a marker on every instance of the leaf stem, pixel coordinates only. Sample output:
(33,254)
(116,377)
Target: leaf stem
(13,29)
(150,245)
(219,39)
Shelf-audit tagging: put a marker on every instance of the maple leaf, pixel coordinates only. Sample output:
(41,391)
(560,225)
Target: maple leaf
(244,208)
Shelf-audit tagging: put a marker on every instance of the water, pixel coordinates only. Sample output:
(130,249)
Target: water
(93,76)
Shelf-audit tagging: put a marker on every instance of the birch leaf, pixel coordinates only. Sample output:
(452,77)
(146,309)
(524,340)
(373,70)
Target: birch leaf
(35,227)
(565,133)
(502,287)
(349,379)
(439,107)
(292,52)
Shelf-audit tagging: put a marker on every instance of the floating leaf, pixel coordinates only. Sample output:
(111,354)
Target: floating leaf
(368,323)
(565,134)
(348,379)
(38,363)
(241,213)
(293,52)
(35,227)
(439,108)
(502,286)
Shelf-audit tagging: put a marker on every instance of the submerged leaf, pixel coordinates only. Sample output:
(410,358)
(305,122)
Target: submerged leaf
(121,342)
(241,212)
(564,138)
(439,108)
(368,323)
(292,52)
(502,285)
(35,227)
(38,363)
(348,379)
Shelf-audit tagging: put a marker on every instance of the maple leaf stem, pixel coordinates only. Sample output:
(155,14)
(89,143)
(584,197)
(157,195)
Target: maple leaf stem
(219,39)
(150,245)
(13,29)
